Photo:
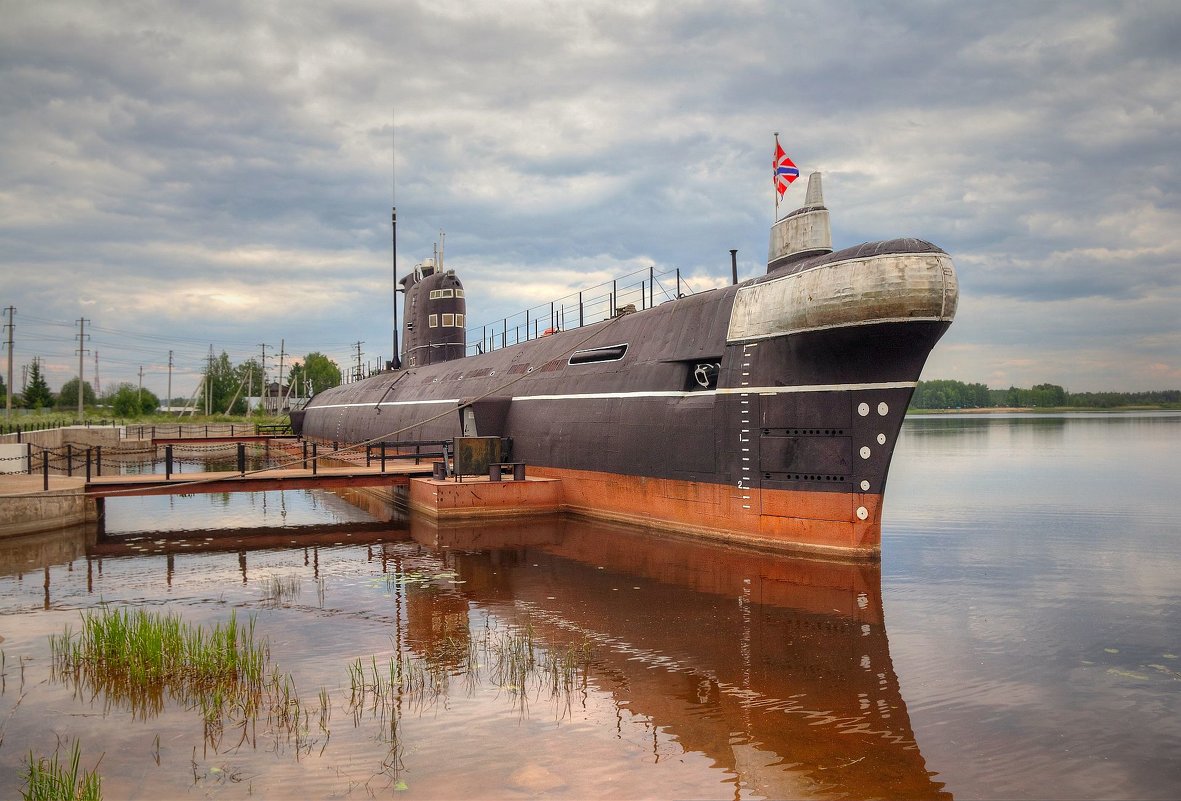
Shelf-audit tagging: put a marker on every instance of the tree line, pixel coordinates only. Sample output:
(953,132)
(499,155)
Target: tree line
(226,387)
(950,394)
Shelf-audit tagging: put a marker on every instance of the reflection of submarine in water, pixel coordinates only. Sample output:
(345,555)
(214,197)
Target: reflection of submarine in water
(777,669)
(764,412)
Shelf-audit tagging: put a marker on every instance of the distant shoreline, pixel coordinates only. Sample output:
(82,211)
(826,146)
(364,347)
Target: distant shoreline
(1043,410)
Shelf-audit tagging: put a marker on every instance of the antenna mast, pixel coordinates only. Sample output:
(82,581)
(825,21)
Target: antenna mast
(396,357)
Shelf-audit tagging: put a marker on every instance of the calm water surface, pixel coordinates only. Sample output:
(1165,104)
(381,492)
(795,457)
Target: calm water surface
(1032,580)
(1019,640)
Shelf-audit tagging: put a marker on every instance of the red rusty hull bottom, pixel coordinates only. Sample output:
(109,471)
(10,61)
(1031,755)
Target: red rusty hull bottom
(830,524)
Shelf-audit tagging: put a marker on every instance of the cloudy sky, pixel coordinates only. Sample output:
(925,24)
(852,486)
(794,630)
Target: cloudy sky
(183,175)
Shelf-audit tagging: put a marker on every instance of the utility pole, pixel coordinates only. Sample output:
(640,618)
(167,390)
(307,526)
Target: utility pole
(11,326)
(209,384)
(262,387)
(139,394)
(97,391)
(281,355)
(169,382)
(82,351)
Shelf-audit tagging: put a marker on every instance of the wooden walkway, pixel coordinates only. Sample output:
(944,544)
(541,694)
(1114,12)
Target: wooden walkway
(396,473)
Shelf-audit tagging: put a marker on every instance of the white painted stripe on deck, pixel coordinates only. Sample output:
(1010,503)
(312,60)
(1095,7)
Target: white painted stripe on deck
(651,394)
(371,404)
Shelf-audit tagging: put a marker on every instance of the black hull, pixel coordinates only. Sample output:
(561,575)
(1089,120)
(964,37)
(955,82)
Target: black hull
(798,429)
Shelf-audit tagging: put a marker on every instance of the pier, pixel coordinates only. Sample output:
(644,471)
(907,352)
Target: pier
(395,473)
(50,487)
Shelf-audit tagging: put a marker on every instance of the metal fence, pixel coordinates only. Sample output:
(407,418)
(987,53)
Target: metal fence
(635,291)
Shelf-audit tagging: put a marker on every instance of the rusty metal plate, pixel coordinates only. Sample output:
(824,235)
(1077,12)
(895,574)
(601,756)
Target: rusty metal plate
(474,454)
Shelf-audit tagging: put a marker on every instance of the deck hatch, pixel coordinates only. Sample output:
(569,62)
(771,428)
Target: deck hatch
(607,353)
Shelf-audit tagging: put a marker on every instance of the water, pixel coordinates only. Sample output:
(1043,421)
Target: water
(1030,574)
(1019,640)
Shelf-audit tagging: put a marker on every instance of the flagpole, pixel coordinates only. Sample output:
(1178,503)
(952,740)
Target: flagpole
(774,176)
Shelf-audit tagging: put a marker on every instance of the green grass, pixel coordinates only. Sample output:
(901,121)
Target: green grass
(513,660)
(139,658)
(53,780)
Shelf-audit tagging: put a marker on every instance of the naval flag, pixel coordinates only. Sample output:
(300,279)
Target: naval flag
(785,170)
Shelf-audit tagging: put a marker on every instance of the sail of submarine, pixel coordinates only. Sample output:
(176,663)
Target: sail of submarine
(763,414)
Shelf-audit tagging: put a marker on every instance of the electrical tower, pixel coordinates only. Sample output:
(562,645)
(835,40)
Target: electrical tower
(82,351)
(357,369)
(11,326)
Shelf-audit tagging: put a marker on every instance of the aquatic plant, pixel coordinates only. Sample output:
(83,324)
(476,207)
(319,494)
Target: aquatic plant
(513,659)
(53,780)
(278,590)
(139,657)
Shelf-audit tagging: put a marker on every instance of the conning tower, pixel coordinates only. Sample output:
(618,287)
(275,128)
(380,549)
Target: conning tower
(435,312)
(803,233)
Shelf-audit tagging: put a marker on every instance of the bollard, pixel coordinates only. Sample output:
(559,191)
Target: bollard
(88,465)
(383,457)
(519,471)
(45,470)
(69,460)
(167,462)
(494,472)
(368,450)
(242,458)
(314,460)
(305,454)
(98,460)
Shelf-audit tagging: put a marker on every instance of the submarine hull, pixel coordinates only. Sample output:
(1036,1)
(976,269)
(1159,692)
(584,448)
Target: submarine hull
(764,413)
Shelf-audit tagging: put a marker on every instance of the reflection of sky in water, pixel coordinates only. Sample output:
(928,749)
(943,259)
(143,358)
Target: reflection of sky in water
(1030,572)
(229,510)
(222,510)
(1031,607)
(710,668)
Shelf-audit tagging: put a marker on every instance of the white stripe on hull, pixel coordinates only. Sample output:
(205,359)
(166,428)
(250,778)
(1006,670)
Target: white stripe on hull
(652,394)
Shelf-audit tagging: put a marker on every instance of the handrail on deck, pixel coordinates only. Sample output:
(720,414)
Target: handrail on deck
(578,309)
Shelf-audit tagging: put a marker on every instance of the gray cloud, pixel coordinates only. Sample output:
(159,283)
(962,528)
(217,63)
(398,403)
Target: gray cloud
(221,172)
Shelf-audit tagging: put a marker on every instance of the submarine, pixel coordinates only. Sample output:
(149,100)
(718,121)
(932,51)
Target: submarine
(762,414)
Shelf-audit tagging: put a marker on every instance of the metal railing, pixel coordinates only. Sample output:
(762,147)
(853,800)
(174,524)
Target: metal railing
(635,291)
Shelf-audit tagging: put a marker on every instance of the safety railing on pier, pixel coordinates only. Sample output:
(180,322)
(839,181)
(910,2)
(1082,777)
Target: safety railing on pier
(8,427)
(635,291)
(70,460)
(205,431)
(155,431)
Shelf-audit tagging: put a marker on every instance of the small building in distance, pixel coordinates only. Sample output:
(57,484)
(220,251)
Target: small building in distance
(276,399)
